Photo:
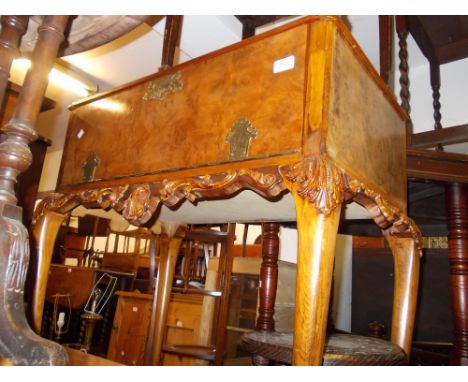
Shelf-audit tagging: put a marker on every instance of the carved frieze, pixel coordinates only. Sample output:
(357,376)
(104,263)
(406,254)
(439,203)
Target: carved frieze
(315,178)
(138,202)
(385,214)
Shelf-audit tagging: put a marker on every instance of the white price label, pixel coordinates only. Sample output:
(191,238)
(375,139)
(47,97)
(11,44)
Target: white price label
(283,64)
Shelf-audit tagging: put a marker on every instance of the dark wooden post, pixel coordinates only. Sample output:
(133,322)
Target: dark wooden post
(457,222)
(171,40)
(386,49)
(268,276)
(18,343)
(268,283)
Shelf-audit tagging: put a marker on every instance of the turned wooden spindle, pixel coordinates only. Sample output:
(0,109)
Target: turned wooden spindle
(268,276)
(435,84)
(457,222)
(18,342)
(13,27)
(404,75)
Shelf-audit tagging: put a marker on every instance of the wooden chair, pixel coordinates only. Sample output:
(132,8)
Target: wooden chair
(267,345)
(211,334)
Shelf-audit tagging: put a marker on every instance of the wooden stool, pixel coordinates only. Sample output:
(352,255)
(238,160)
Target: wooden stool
(340,349)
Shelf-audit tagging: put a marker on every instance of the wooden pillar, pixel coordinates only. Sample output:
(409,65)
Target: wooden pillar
(457,222)
(18,342)
(13,27)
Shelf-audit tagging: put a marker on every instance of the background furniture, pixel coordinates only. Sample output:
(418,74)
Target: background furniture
(189,321)
(209,341)
(130,328)
(442,39)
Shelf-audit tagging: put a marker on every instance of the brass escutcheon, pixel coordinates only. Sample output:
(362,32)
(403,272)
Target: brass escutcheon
(242,132)
(89,166)
(159,88)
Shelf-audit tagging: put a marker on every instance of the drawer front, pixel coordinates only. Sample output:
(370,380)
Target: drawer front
(227,107)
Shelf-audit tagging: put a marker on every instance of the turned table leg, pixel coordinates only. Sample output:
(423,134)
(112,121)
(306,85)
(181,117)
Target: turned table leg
(457,222)
(317,237)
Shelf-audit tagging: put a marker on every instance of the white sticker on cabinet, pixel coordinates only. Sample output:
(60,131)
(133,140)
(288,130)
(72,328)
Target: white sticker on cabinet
(283,64)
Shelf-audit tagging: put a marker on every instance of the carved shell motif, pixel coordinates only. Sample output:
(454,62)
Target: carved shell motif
(318,180)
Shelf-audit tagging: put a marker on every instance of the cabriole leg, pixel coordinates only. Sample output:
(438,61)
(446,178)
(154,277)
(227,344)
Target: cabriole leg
(44,232)
(317,237)
(406,259)
(169,250)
